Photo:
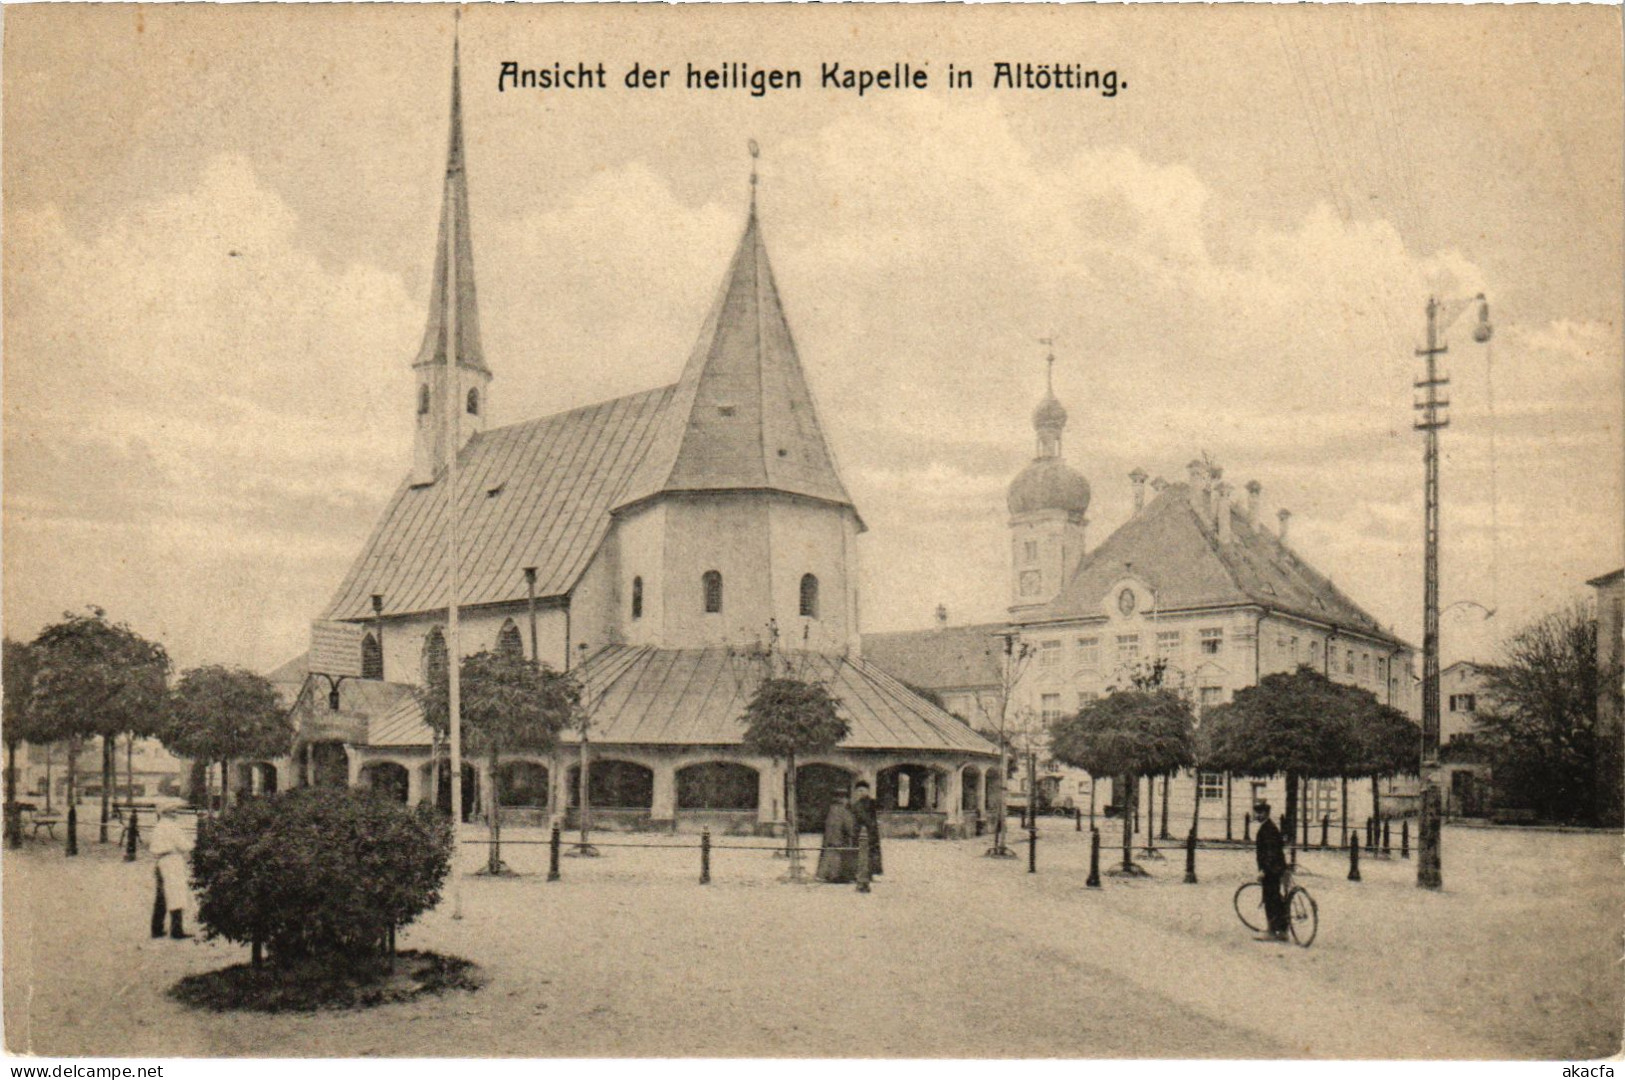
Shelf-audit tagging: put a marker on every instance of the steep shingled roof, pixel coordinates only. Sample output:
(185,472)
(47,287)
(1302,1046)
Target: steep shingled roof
(1171,546)
(532,494)
(941,659)
(695,697)
(741,416)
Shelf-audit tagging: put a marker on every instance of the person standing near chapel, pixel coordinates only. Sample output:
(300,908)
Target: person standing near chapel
(863,809)
(837,859)
(171,845)
(1271,852)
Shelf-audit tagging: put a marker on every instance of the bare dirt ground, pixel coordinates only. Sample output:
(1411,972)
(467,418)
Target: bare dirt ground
(951,955)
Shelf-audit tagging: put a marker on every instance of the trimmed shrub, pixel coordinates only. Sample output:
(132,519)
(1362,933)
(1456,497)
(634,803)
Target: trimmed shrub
(318,871)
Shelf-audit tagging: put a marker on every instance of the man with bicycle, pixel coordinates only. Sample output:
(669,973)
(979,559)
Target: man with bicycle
(1272,869)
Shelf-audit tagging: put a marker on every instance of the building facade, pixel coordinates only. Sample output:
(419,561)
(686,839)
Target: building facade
(669,547)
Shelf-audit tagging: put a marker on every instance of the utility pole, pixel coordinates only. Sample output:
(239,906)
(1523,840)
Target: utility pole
(1428,875)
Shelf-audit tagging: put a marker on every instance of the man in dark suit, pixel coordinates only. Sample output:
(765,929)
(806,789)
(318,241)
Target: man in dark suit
(1271,870)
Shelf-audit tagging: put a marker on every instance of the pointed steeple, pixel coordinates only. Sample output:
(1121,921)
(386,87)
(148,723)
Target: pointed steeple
(741,417)
(457,286)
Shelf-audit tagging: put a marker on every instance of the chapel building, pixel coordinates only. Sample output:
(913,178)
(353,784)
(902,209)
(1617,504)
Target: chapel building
(661,545)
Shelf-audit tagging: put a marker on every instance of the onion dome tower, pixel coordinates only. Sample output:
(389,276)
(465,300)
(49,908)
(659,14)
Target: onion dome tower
(1048,501)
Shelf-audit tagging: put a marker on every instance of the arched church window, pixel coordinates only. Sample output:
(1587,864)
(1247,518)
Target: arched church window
(637,598)
(434,656)
(474,401)
(509,640)
(809,596)
(712,582)
(372,658)
(423,400)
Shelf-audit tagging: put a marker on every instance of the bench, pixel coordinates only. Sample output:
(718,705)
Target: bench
(48,822)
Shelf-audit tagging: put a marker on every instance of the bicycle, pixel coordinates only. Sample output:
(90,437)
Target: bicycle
(1303,915)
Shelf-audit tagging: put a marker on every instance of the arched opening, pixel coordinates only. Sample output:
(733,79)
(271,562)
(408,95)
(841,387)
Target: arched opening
(817,787)
(434,657)
(255,778)
(471,788)
(809,596)
(711,582)
(474,401)
(637,598)
(386,778)
(614,785)
(423,400)
(970,790)
(907,787)
(329,765)
(372,657)
(718,785)
(510,642)
(522,783)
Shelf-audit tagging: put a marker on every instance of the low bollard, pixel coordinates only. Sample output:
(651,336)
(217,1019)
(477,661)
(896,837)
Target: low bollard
(863,860)
(553,845)
(1032,849)
(1094,859)
(1405,839)
(132,836)
(1387,848)
(705,857)
(1354,858)
(1370,836)
(1190,858)
(1325,828)
(1246,828)
(1077,818)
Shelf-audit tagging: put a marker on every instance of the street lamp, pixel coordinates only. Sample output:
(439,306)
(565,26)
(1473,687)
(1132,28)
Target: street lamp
(1432,406)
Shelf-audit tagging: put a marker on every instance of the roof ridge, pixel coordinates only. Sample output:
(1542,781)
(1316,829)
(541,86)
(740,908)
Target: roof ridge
(562,413)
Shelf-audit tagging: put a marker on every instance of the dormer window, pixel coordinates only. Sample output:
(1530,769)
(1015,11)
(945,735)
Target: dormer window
(711,583)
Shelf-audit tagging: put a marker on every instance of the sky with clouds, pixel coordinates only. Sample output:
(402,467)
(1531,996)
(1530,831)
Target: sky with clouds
(219,228)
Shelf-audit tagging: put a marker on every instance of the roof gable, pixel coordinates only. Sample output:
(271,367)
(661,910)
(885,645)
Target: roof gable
(1171,547)
(532,494)
(947,658)
(741,415)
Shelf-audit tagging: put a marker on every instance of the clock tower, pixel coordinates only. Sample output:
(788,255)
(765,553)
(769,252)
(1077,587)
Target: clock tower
(1048,501)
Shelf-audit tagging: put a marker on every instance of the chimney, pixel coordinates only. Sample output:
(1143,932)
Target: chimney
(1286,516)
(1138,478)
(1255,491)
(1221,507)
(1158,484)
(942,616)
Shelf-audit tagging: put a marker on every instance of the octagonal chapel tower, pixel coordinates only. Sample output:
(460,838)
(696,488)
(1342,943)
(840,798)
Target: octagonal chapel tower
(736,525)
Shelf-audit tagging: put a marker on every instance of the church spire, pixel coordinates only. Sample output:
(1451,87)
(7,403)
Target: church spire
(1049,419)
(741,416)
(454,277)
(450,360)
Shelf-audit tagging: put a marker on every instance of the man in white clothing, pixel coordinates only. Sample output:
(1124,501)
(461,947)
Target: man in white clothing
(171,845)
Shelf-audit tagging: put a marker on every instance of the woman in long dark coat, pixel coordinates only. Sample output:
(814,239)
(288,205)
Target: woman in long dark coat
(863,808)
(837,860)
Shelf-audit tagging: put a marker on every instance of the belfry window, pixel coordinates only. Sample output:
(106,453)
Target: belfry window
(509,640)
(474,401)
(712,584)
(637,598)
(809,596)
(423,400)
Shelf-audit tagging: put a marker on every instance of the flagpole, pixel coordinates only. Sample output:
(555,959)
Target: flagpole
(454,654)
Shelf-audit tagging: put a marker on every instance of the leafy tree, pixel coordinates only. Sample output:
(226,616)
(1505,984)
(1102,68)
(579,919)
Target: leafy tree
(508,703)
(1385,742)
(1127,734)
(318,871)
(786,717)
(221,714)
(93,677)
(1541,725)
(1299,724)
(21,725)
